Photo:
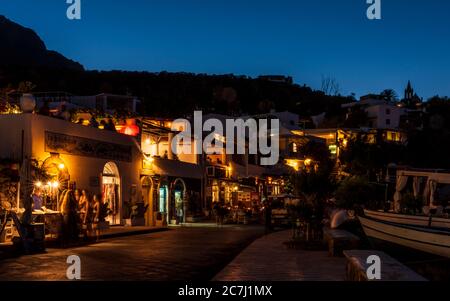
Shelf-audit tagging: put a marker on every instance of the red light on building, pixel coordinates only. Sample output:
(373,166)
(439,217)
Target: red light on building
(130,128)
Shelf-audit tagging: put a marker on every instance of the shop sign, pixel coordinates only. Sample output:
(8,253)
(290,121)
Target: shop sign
(244,196)
(80,146)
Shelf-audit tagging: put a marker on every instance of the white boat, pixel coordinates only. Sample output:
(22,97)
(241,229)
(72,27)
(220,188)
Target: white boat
(426,239)
(413,220)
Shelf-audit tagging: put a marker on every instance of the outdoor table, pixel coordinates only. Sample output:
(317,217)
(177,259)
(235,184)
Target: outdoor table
(52,220)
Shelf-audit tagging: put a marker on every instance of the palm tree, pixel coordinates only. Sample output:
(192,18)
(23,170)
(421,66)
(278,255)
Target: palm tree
(26,87)
(389,95)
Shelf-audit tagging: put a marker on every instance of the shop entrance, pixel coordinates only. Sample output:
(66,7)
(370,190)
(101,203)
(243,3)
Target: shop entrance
(177,205)
(111,192)
(147,196)
(163,203)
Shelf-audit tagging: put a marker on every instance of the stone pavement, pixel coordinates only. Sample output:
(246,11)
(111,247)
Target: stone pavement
(7,250)
(267,259)
(182,253)
(117,231)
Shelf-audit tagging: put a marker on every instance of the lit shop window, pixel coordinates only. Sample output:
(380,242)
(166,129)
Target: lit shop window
(333,149)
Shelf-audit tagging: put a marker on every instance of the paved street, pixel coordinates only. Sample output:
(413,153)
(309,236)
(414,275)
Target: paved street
(194,253)
(267,259)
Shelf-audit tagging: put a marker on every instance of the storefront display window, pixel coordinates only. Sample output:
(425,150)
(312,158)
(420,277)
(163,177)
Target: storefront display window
(162,199)
(111,193)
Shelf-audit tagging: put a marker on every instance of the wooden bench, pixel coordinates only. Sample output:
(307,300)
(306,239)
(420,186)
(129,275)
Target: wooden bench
(391,269)
(339,240)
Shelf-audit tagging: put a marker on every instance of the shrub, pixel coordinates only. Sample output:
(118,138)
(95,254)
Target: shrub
(354,191)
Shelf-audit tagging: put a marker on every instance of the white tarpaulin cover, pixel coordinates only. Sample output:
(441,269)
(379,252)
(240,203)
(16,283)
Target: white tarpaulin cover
(400,185)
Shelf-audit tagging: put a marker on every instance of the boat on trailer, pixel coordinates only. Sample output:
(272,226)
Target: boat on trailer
(423,238)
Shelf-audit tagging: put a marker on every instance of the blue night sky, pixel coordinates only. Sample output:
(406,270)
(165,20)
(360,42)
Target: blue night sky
(304,39)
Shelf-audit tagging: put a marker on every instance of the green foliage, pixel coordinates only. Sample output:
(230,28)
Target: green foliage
(26,87)
(360,157)
(309,208)
(389,95)
(177,94)
(311,183)
(289,184)
(8,108)
(38,172)
(302,211)
(354,191)
(320,153)
(428,147)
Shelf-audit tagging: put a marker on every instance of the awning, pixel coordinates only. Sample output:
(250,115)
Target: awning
(176,168)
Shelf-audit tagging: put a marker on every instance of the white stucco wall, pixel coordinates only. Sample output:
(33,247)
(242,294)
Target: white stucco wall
(378,113)
(80,168)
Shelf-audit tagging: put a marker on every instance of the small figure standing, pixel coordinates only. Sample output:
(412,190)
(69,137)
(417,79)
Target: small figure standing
(97,214)
(37,199)
(268,217)
(216,212)
(93,122)
(110,126)
(69,212)
(83,209)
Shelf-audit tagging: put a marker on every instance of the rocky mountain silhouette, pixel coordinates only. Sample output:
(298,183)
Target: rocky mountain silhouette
(21,46)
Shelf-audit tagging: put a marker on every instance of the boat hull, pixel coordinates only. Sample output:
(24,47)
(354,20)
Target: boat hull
(408,219)
(426,240)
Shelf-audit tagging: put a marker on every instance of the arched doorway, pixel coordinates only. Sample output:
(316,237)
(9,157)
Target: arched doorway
(147,195)
(177,204)
(111,193)
(163,202)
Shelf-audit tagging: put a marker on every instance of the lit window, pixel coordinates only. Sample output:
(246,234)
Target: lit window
(332,148)
(294,147)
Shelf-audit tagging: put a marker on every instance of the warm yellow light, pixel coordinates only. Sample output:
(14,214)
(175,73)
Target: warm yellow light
(38,184)
(147,141)
(61,166)
(236,188)
(49,183)
(308,162)
(293,163)
(55,184)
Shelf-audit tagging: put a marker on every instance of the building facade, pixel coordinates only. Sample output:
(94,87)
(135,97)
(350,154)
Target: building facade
(75,157)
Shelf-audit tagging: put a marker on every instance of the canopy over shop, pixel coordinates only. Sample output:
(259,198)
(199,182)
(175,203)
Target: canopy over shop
(172,189)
